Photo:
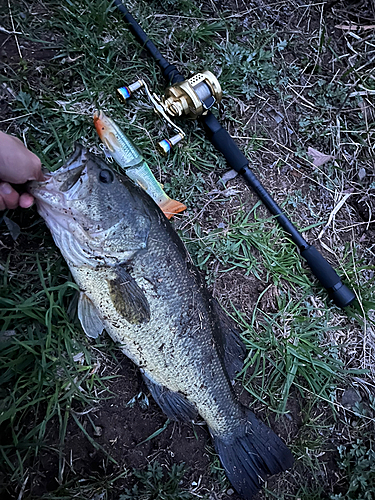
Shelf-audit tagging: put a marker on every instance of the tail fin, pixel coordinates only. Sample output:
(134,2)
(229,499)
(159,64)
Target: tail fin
(251,454)
(171,207)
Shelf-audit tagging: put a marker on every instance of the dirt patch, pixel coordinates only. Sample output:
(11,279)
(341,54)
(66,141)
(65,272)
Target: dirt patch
(29,50)
(10,62)
(122,427)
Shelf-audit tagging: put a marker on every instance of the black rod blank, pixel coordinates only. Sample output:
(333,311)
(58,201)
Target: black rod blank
(341,295)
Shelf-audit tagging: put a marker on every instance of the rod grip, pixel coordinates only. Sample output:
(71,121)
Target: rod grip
(341,295)
(223,142)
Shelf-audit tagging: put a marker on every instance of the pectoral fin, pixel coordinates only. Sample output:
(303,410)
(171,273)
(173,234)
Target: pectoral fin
(128,298)
(88,315)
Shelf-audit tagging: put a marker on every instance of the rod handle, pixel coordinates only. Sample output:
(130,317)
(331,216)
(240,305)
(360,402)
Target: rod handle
(223,142)
(341,295)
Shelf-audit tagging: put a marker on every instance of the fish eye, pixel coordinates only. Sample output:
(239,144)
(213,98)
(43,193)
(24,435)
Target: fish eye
(106,176)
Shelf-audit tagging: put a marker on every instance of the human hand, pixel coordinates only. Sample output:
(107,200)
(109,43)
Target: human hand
(17,165)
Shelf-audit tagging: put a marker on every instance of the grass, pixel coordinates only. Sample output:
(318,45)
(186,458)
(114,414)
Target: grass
(290,81)
(45,368)
(257,246)
(358,463)
(154,484)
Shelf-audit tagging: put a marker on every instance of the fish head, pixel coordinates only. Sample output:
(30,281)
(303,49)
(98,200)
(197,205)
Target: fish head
(92,212)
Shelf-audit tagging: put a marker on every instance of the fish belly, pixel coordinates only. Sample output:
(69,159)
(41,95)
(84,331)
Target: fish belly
(175,348)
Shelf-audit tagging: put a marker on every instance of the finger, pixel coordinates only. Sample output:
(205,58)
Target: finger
(29,168)
(35,171)
(26,200)
(41,176)
(9,195)
(17,163)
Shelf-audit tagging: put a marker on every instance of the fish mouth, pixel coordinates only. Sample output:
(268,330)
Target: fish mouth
(74,177)
(68,174)
(65,187)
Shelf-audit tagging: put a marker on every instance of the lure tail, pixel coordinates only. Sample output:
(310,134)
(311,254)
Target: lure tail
(251,454)
(171,207)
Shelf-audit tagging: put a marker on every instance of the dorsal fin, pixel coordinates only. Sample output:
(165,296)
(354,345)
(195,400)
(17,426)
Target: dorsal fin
(230,345)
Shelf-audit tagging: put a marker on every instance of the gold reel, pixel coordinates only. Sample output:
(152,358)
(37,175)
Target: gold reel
(190,98)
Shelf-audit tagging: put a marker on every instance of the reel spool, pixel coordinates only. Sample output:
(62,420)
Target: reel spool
(190,98)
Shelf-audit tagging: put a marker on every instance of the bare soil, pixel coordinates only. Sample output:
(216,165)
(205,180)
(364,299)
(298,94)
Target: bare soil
(121,430)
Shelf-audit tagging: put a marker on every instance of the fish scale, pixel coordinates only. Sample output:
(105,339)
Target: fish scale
(137,282)
(167,266)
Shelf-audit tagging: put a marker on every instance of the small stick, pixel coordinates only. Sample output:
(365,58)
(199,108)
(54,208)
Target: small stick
(14,30)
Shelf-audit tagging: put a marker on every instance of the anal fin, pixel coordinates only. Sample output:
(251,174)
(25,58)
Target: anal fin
(88,315)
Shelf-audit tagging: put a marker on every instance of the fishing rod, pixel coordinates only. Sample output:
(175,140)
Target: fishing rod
(193,98)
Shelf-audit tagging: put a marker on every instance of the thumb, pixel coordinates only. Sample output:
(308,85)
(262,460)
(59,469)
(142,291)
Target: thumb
(35,168)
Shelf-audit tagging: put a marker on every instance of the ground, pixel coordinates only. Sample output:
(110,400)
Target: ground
(76,420)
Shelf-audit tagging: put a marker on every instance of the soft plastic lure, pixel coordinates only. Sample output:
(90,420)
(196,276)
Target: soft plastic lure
(127,156)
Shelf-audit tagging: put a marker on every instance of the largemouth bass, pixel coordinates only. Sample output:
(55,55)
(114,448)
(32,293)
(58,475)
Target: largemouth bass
(127,156)
(138,284)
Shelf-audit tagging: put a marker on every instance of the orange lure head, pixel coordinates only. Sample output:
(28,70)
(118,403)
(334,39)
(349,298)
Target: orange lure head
(107,130)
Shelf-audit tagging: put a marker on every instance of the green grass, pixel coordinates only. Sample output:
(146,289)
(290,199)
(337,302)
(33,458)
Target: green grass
(154,484)
(250,243)
(39,374)
(286,342)
(301,349)
(358,462)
